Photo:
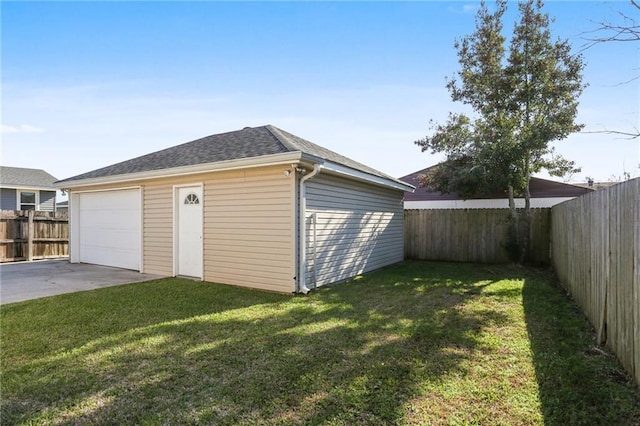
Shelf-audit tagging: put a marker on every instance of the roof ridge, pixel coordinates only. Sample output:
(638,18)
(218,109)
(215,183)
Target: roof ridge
(280,135)
(290,141)
(22,168)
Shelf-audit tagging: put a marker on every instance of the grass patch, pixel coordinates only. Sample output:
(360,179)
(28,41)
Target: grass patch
(416,343)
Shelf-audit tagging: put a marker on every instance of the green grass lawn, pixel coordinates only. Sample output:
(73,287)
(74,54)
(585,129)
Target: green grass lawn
(416,343)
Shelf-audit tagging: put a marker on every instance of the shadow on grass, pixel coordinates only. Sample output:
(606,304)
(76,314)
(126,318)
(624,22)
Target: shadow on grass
(577,383)
(192,353)
(67,321)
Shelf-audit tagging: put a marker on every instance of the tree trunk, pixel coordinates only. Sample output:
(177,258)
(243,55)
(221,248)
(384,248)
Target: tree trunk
(513,244)
(526,228)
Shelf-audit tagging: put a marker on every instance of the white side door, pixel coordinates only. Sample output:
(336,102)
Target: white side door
(189,231)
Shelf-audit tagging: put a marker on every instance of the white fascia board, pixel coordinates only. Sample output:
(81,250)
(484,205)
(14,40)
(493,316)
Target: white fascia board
(265,160)
(27,188)
(366,177)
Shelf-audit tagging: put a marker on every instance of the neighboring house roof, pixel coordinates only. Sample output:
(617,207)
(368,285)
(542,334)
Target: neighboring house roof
(248,143)
(595,185)
(538,188)
(19,177)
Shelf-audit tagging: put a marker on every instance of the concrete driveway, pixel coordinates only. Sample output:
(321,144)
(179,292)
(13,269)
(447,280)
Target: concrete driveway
(32,280)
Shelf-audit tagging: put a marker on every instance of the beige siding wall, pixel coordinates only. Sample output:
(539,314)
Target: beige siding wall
(249,234)
(249,229)
(358,228)
(157,229)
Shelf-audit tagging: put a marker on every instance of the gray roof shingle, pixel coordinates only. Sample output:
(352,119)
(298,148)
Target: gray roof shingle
(26,178)
(246,143)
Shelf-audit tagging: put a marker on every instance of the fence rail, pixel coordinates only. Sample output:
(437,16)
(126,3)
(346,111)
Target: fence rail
(31,235)
(595,243)
(470,235)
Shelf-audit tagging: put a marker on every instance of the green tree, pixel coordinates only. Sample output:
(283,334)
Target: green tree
(523,97)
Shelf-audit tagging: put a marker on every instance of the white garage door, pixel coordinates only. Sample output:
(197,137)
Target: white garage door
(109,225)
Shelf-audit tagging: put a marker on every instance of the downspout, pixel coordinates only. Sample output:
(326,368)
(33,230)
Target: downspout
(302,254)
(315,248)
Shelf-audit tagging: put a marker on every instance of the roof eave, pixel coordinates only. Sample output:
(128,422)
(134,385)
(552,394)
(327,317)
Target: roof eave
(242,163)
(339,169)
(27,187)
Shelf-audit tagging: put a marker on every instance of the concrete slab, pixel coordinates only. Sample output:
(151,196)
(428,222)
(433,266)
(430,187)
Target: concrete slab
(31,280)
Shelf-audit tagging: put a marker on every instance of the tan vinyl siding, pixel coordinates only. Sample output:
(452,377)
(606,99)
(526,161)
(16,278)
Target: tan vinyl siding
(249,235)
(249,229)
(157,228)
(358,228)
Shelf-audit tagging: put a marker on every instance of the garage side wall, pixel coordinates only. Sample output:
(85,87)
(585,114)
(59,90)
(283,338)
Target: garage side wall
(157,230)
(248,226)
(358,228)
(249,219)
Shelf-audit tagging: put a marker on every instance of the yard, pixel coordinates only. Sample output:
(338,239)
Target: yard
(416,343)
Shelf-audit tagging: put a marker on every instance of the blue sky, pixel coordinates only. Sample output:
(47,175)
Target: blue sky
(88,84)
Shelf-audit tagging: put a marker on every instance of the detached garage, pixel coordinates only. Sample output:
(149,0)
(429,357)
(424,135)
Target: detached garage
(257,207)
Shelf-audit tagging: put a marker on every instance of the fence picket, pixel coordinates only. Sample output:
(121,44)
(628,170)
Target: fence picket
(470,235)
(29,235)
(596,255)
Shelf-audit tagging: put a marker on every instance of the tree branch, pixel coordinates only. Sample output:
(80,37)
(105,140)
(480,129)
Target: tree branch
(615,132)
(627,31)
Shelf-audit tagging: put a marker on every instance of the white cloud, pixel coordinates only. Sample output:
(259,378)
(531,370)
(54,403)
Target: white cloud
(470,8)
(23,128)
(464,9)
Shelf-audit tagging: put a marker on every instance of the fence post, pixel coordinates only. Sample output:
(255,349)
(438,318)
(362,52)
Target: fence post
(30,231)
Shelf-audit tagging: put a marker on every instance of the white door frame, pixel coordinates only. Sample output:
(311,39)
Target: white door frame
(176,220)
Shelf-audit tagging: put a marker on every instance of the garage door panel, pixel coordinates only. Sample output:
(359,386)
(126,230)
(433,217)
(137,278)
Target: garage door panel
(96,219)
(108,200)
(109,228)
(109,238)
(110,257)
(107,222)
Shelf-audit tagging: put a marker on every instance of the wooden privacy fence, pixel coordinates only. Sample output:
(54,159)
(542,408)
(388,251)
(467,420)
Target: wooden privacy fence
(31,235)
(470,235)
(595,242)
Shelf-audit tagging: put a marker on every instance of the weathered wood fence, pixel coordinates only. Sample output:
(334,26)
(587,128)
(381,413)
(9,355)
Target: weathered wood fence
(31,235)
(595,242)
(470,235)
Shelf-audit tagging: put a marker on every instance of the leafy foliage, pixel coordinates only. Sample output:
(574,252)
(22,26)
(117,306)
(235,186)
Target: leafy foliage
(523,97)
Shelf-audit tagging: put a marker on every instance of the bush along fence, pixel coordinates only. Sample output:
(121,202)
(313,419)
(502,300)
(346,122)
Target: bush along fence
(32,235)
(471,235)
(595,242)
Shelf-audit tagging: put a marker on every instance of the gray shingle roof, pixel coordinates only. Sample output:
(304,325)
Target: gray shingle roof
(26,178)
(246,143)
